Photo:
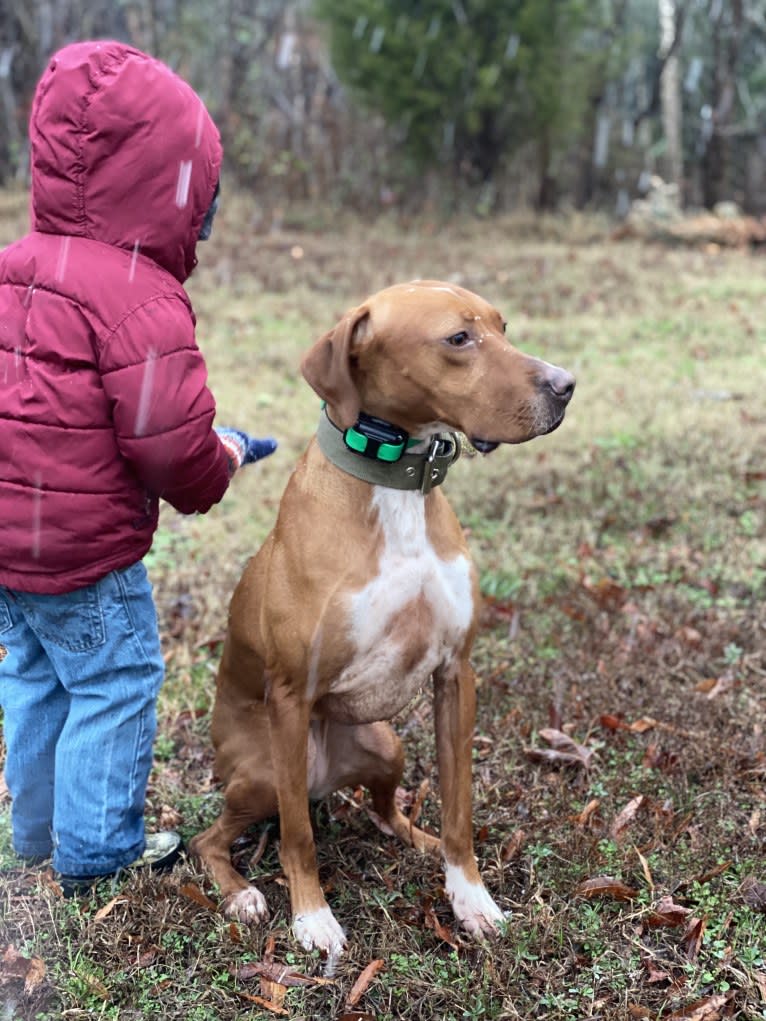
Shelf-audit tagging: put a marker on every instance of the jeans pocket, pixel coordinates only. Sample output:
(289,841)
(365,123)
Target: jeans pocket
(5,615)
(72,620)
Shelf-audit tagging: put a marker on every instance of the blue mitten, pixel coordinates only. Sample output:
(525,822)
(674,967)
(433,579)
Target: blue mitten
(244,449)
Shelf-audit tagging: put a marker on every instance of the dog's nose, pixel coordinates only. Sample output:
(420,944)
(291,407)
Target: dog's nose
(561,384)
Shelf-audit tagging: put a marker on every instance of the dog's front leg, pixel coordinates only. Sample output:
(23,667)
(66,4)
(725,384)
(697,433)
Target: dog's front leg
(455,713)
(314,924)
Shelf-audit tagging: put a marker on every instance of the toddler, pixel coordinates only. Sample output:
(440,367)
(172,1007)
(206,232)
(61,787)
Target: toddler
(104,408)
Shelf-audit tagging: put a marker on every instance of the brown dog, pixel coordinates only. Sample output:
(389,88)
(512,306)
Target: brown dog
(365,589)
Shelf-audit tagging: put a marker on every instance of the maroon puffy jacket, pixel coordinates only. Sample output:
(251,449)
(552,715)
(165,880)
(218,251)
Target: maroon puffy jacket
(104,405)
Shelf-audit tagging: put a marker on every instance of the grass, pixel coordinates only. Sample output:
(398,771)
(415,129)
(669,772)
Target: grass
(624,563)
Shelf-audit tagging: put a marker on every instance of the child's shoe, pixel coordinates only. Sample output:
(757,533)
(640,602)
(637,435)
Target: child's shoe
(162,851)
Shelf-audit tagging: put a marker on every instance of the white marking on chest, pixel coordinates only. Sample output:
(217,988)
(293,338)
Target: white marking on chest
(409,573)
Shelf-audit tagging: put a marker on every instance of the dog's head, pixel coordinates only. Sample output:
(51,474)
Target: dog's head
(428,355)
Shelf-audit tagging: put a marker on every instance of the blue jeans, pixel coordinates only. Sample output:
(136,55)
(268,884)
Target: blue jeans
(78,687)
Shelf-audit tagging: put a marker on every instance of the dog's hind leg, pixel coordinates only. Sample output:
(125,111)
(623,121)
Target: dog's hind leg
(244,762)
(247,802)
(370,755)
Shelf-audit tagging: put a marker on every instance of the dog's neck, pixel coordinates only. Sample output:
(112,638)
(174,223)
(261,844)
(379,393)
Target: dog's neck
(420,467)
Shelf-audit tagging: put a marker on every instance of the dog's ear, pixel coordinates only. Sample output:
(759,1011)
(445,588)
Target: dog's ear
(326,366)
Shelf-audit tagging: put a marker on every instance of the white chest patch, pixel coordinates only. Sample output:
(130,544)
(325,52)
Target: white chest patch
(411,618)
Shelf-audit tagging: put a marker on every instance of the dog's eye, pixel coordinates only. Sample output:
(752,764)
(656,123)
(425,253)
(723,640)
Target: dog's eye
(458,339)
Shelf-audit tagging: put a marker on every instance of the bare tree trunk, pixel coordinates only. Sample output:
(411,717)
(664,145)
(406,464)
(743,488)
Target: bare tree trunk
(670,95)
(727,38)
(11,144)
(547,186)
(589,172)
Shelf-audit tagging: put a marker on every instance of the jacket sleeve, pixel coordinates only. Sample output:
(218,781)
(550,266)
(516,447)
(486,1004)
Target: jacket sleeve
(156,381)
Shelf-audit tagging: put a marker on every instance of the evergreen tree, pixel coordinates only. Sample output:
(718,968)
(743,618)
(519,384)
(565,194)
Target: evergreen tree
(466,81)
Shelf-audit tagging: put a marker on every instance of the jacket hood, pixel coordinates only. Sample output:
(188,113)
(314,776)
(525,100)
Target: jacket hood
(123,151)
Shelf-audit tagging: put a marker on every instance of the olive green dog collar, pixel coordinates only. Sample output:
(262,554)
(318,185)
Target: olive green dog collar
(412,471)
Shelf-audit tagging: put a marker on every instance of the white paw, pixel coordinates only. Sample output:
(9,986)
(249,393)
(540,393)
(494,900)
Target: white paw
(246,906)
(473,906)
(319,931)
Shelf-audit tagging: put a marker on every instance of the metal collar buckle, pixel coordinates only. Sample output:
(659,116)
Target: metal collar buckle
(445,448)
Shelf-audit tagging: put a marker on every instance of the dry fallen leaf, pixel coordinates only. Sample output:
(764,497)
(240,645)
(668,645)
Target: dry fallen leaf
(645,869)
(583,818)
(705,877)
(15,966)
(689,635)
(612,722)
(653,973)
(147,957)
(754,893)
(95,986)
(280,974)
(107,909)
(420,797)
(513,846)
(719,686)
(606,886)
(707,1009)
(377,820)
(273,992)
(432,922)
(564,750)
(170,818)
(267,1004)
(47,879)
(706,685)
(642,725)
(192,892)
(607,594)
(257,854)
(667,913)
(366,977)
(625,817)
(692,938)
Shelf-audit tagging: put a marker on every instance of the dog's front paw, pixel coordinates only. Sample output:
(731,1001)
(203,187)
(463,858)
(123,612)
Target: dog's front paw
(247,906)
(318,930)
(472,904)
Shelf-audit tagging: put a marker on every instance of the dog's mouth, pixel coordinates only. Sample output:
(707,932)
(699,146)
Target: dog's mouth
(483,446)
(554,424)
(487,446)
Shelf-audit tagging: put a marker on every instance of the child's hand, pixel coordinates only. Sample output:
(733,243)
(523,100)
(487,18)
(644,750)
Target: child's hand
(244,449)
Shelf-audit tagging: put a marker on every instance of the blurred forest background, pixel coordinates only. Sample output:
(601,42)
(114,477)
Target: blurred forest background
(474,105)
